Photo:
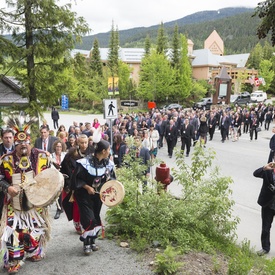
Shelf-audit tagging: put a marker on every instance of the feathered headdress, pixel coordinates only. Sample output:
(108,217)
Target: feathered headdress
(20,128)
(99,143)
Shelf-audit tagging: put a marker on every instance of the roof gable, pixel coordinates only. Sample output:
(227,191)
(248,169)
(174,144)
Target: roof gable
(10,92)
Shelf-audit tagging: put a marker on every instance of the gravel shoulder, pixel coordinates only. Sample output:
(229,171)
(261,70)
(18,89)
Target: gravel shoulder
(65,255)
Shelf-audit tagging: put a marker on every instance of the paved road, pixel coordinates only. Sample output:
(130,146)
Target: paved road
(236,159)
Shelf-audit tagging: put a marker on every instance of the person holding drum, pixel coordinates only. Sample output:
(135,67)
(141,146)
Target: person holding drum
(89,176)
(24,227)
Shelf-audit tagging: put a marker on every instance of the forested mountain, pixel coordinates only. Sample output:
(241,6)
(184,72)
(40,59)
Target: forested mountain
(236,26)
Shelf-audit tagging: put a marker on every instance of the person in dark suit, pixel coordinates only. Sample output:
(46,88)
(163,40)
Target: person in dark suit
(55,118)
(246,121)
(254,124)
(162,128)
(7,146)
(272,145)
(212,121)
(119,150)
(45,141)
(225,123)
(171,134)
(266,200)
(186,133)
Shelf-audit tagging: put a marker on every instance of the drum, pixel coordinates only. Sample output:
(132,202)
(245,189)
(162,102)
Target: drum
(112,193)
(46,188)
(20,182)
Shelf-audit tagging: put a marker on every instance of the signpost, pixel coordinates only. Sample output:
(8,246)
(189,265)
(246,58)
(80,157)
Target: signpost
(64,102)
(110,112)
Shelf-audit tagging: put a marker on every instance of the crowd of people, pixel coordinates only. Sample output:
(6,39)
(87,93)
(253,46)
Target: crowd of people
(87,155)
(84,165)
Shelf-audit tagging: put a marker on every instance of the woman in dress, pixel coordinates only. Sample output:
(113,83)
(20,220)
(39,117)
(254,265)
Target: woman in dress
(89,176)
(59,152)
(154,137)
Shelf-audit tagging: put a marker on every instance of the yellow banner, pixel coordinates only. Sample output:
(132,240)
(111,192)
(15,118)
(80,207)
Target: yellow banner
(113,85)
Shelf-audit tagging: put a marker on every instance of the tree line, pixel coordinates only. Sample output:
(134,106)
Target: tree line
(39,56)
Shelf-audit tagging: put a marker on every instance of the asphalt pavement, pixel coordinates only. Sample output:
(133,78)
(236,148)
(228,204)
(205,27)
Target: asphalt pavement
(235,159)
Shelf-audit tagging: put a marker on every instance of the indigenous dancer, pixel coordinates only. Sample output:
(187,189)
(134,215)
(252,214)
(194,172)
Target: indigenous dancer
(24,228)
(89,176)
(67,167)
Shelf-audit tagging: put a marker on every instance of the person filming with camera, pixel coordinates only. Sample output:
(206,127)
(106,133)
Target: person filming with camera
(266,200)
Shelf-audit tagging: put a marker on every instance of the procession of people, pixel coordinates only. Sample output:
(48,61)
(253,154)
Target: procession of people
(87,158)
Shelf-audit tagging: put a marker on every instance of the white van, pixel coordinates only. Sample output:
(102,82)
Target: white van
(258,96)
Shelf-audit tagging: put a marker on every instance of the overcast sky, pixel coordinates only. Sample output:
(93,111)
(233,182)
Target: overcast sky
(127,14)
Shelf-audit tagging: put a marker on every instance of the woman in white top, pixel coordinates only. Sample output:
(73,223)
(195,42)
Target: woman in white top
(59,152)
(146,142)
(153,135)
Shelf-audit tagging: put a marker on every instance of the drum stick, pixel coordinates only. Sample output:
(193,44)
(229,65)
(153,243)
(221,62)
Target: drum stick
(57,204)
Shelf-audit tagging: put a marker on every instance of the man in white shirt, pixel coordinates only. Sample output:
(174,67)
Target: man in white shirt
(7,145)
(45,141)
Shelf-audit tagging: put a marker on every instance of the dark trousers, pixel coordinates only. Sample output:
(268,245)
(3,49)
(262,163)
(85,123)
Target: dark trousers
(160,141)
(267,219)
(266,125)
(186,142)
(253,129)
(245,127)
(211,132)
(223,133)
(55,124)
(170,146)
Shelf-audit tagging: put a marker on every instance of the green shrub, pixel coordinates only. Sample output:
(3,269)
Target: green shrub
(201,214)
(199,219)
(165,262)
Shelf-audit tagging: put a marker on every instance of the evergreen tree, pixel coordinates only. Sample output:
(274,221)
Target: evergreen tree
(96,64)
(82,75)
(255,57)
(113,52)
(183,73)
(124,80)
(266,11)
(175,54)
(267,51)
(43,38)
(147,45)
(161,40)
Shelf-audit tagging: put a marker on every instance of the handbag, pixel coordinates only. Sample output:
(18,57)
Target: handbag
(258,129)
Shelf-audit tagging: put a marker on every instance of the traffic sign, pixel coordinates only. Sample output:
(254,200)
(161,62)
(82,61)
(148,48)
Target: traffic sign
(110,108)
(64,102)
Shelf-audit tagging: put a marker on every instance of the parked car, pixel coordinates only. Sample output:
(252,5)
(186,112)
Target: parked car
(258,96)
(173,106)
(240,99)
(245,93)
(203,104)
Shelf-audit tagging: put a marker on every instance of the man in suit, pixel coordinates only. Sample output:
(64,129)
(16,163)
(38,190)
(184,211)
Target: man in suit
(45,141)
(225,123)
(162,128)
(266,200)
(272,145)
(55,118)
(171,134)
(186,133)
(212,125)
(7,145)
